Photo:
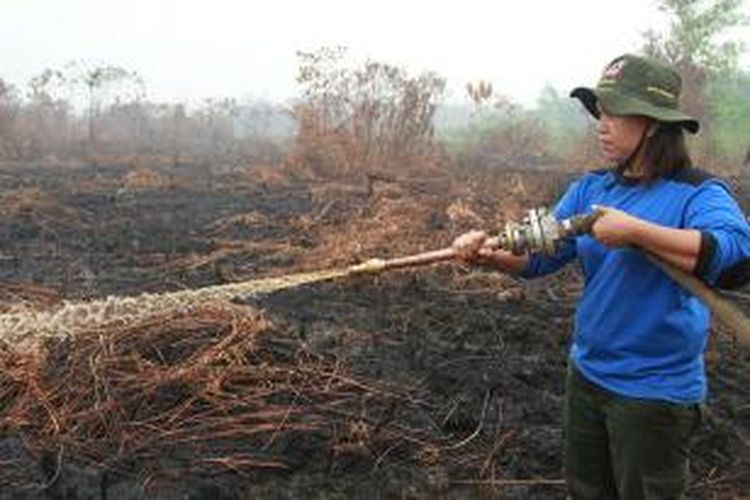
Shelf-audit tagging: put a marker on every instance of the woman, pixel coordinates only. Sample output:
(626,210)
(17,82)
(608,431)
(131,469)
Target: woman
(636,374)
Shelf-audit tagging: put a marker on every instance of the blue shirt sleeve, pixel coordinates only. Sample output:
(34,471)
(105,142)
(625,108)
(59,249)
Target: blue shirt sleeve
(568,206)
(725,242)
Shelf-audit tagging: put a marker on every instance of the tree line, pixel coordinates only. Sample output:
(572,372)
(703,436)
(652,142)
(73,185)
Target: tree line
(374,116)
(91,111)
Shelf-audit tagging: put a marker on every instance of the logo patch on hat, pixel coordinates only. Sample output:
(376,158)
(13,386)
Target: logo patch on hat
(613,70)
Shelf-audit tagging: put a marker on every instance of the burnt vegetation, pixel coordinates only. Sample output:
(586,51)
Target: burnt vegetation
(435,382)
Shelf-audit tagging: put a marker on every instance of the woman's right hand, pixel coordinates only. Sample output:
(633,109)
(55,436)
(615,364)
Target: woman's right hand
(468,245)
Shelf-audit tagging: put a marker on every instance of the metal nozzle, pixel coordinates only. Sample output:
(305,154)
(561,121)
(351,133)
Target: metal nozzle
(539,232)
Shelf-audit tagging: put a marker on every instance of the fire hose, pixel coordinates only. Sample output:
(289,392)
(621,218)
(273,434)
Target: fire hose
(541,232)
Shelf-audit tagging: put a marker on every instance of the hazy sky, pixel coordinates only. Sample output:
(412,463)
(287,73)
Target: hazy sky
(187,50)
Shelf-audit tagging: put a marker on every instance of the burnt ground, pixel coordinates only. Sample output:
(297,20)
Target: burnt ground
(477,360)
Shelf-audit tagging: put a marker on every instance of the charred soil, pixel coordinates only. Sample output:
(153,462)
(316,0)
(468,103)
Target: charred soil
(439,382)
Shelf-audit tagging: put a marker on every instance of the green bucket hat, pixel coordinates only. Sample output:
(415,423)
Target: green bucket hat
(635,85)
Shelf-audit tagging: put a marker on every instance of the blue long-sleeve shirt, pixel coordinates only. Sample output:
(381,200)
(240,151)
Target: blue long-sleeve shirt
(637,332)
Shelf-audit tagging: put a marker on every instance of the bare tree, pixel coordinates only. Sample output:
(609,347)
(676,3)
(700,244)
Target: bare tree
(9,109)
(105,84)
(354,119)
(216,120)
(47,114)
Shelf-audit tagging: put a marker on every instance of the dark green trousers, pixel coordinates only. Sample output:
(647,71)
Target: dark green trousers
(623,448)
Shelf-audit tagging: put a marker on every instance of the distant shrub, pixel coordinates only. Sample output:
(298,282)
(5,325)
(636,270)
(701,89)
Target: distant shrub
(372,117)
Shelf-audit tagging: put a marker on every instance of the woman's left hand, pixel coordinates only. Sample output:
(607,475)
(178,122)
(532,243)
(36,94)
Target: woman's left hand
(615,228)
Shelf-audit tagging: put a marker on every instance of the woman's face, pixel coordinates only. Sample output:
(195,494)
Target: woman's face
(620,135)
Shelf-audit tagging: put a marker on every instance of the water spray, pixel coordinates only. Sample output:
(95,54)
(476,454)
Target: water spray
(538,232)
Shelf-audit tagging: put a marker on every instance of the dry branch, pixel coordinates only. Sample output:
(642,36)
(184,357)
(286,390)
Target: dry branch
(214,390)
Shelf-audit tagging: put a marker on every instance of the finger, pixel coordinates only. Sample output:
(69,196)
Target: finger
(478,235)
(475,241)
(460,242)
(600,208)
(485,252)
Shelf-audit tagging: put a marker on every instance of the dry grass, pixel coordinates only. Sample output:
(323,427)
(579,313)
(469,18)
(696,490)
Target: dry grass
(248,219)
(35,203)
(25,296)
(412,214)
(224,249)
(145,178)
(211,389)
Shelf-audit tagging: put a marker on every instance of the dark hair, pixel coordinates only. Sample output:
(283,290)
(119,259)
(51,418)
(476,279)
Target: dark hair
(664,153)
